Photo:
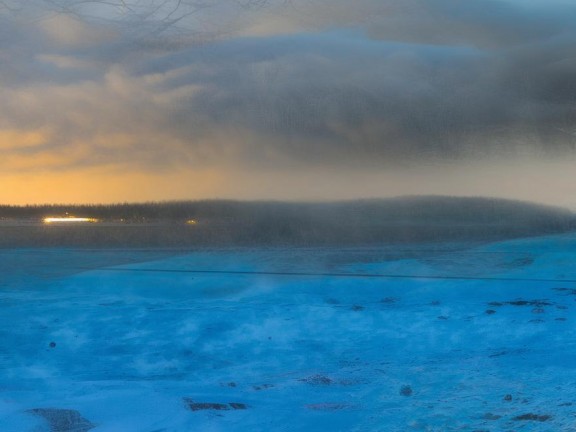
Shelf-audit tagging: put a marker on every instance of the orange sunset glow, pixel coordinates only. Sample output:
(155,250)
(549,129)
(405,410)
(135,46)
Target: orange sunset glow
(97,108)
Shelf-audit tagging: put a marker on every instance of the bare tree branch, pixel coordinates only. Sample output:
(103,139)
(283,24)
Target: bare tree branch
(149,21)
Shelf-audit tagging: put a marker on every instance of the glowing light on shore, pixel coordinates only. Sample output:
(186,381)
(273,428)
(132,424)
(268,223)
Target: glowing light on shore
(70,219)
(191,222)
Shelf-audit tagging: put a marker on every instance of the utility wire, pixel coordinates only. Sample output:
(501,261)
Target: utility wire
(334,275)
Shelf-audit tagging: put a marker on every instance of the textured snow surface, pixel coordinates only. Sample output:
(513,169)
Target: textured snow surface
(141,341)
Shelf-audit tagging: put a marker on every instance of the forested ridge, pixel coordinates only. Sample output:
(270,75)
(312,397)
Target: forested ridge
(226,222)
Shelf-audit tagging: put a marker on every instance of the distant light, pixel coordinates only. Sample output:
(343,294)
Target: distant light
(191,222)
(69,219)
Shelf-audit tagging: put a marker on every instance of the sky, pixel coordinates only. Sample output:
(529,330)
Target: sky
(143,100)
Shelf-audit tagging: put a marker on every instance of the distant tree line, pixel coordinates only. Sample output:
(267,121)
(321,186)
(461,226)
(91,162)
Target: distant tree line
(408,219)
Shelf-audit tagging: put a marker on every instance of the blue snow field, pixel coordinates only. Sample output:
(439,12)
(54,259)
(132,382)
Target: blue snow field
(447,337)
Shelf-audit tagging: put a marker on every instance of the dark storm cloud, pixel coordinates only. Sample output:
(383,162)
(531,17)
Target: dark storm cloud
(332,96)
(387,82)
(491,24)
(324,96)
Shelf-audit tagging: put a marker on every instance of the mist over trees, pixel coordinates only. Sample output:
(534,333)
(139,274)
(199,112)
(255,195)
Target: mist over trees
(236,223)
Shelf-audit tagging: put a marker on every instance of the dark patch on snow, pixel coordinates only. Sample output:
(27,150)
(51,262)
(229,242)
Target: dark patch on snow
(213,406)
(532,417)
(389,300)
(518,262)
(535,303)
(322,380)
(406,390)
(199,406)
(63,420)
(570,291)
(262,387)
(317,380)
(329,406)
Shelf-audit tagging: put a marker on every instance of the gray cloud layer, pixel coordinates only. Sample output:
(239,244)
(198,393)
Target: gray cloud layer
(385,83)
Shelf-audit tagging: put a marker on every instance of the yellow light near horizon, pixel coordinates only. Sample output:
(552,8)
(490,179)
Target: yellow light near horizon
(71,219)
(106,185)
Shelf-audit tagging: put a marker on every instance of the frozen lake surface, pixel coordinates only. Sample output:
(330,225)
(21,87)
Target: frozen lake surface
(451,337)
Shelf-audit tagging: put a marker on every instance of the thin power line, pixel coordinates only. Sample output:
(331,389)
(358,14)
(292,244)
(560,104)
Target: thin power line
(335,275)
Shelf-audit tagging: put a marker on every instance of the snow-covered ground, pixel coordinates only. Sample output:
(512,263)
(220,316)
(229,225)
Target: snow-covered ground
(150,341)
